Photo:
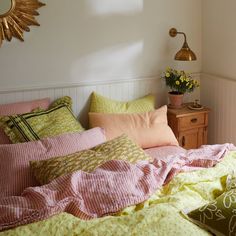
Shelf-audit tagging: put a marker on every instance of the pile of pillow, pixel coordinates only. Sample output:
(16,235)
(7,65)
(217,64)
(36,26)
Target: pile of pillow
(138,119)
(15,172)
(32,121)
(35,125)
(46,135)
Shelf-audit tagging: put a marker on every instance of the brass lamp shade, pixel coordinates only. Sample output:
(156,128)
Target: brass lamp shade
(185,53)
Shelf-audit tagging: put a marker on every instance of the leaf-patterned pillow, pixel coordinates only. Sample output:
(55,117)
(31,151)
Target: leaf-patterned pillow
(219,216)
(121,148)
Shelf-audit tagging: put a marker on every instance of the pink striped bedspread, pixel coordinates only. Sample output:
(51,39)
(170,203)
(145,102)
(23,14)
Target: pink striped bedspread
(110,188)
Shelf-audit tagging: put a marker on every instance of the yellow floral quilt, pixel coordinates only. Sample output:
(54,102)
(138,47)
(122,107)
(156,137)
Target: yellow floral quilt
(160,215)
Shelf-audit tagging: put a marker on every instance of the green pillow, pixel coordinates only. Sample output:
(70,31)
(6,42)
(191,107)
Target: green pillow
(66,100)
(37,125)
(121,148)
(101,104)
(219,216)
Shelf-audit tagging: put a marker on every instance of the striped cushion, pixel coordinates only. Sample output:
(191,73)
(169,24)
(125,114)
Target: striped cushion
(37,125)
(121,148)
(66,100)
(15,174)
(19,108)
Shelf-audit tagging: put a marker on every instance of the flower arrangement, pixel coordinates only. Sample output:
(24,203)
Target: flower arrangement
(179,81)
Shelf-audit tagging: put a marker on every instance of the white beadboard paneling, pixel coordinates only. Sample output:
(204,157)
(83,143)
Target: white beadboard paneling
(80,93)
(219,94)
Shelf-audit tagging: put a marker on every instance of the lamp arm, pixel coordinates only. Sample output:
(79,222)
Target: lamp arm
(185,37)
(173,33)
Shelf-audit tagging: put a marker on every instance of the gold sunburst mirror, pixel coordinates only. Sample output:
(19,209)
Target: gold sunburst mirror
(16,16)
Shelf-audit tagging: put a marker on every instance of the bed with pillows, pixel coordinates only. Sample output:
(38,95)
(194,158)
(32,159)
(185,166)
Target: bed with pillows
(124,175)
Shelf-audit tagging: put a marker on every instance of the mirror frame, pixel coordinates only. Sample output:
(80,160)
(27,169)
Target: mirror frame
(18,18)
(13,4)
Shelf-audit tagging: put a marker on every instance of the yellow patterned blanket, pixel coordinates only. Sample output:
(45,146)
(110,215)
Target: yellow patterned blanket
(160,215)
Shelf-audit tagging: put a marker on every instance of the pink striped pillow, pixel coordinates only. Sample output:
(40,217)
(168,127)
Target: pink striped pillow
(15,173)
(20,108)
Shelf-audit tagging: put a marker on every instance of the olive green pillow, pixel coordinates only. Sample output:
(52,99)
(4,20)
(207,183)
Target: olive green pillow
(66,100)
(41,124)
(101,104)
(121,148)
(219,216)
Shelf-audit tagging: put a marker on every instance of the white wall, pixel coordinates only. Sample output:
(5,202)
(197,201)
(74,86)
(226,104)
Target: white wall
(101,40)
(218,81)
(219,94)
(219,38)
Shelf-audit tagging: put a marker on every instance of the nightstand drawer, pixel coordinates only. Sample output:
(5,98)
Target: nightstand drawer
(192,121)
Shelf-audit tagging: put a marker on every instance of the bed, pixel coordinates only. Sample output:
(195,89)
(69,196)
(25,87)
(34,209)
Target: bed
(136,190)
(159,215)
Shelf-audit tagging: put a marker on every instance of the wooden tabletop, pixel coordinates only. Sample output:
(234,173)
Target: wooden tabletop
(185,111)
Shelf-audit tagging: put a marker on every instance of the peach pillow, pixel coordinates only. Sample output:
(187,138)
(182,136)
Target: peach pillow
(149,129)
(20,108)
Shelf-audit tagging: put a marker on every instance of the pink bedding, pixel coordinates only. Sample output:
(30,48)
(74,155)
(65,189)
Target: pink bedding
(163,152)
(110,188)
(15,173)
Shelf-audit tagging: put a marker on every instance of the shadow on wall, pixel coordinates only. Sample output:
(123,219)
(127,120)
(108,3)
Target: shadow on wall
(124,39)
(112,39)
(97,40)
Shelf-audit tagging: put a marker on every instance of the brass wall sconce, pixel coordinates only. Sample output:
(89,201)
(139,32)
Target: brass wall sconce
(16,16)
(185,53)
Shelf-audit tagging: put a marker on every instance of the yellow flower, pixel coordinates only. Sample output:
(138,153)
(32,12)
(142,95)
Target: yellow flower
(167,74)
(182,78)
(187,79)
(168,69)
(177,82)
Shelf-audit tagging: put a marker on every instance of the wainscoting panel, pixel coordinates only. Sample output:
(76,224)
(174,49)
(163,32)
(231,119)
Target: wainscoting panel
(80,93)
(219,94)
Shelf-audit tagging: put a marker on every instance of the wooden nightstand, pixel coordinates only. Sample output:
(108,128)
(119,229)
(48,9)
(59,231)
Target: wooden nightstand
(189,126)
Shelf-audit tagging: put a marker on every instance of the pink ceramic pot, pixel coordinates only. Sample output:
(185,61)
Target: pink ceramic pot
(175,99)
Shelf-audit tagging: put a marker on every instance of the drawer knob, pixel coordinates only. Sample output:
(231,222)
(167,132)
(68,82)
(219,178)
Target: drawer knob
(183,141)
(194,120)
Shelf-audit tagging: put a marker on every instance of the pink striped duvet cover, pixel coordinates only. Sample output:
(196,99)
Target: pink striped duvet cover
(110,188)
(15,173)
